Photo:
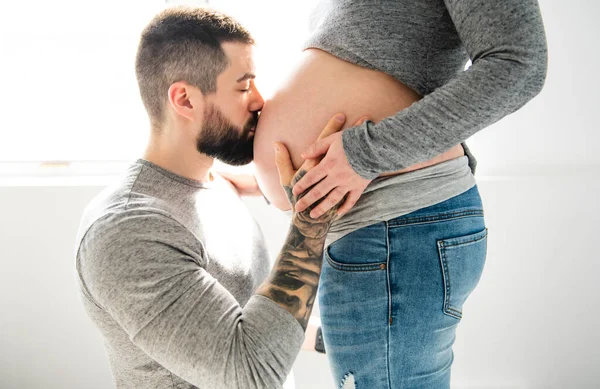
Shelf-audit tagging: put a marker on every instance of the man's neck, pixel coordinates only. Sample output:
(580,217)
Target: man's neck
(183,160)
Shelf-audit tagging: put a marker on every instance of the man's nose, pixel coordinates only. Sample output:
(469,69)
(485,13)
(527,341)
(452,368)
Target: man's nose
(257,101)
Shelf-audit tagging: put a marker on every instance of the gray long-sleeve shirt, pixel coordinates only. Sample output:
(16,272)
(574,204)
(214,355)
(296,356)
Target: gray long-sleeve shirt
(168,276)
(425,44)
(167,268)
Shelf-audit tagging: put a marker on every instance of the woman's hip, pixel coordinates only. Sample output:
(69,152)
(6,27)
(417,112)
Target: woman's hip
(392,293)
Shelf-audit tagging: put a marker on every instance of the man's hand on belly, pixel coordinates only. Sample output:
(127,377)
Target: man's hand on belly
(333,176)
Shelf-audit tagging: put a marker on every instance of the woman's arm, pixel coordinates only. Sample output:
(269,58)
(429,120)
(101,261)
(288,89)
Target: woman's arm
(507,45)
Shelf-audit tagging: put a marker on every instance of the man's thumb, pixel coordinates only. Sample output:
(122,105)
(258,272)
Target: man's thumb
(284,163)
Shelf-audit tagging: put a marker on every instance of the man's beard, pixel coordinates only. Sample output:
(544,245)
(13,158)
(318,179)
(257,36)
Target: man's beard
(225,141)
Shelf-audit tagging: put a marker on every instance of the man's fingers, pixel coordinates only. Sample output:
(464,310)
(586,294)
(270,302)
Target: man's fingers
(315,194)
(284,164)
(309,179)
(332,199)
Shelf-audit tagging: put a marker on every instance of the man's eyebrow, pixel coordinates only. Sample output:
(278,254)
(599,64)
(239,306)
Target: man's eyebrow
(247,76)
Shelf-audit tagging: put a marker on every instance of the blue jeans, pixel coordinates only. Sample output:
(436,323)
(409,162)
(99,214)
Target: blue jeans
(392,293)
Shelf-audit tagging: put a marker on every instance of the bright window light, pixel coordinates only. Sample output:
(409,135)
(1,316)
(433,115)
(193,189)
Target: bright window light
(69,87)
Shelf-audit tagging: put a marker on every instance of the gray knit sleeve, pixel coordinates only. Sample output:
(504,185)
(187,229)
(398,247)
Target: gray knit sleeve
(140,267)
(507,45)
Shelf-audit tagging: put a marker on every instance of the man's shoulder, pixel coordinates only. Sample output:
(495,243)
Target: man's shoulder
(123,244)
(126,226)
(123,203)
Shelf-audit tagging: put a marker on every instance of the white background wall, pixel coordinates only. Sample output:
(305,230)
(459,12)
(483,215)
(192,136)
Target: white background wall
(531,324)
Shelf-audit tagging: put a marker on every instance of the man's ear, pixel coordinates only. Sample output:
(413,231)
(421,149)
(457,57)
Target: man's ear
(185,99)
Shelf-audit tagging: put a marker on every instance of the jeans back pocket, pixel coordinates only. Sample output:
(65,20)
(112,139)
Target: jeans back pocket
(462,260)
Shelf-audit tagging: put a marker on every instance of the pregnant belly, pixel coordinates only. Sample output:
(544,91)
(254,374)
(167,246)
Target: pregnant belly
(320,86)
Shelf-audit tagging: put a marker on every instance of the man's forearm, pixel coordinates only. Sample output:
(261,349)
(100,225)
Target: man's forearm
(294,280)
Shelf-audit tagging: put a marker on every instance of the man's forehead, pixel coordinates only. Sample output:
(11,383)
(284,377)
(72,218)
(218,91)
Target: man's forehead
(241,63)
(239,53)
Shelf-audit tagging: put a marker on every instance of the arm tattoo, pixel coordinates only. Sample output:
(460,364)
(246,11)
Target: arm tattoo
(294,280)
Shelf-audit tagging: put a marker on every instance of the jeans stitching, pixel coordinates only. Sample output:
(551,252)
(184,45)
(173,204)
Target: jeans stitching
(445,245)
(352,267)
(435,218)
(389,287)
(458,313)
(442,248)
(446,278)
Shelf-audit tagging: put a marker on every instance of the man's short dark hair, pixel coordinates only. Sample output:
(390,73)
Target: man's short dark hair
(183,44)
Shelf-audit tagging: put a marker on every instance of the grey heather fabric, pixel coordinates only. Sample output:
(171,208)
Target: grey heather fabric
(389,197)
(166,268)
(425,44)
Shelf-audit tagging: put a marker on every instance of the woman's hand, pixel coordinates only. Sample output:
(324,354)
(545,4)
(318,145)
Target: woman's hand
(245,184)
(333,176)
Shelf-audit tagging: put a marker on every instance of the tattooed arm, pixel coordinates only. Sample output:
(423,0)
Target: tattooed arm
(137,269)
(295,276)
(294,280)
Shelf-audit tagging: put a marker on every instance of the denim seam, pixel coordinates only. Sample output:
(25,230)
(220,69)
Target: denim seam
(431,219)
(352,267)
(389,287)
(442,248)
(446,278)
(445,245)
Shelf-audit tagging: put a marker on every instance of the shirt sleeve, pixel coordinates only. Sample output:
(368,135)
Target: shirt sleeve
(507,46)
(145,271)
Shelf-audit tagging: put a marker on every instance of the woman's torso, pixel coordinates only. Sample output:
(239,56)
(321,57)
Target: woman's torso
(320,86)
